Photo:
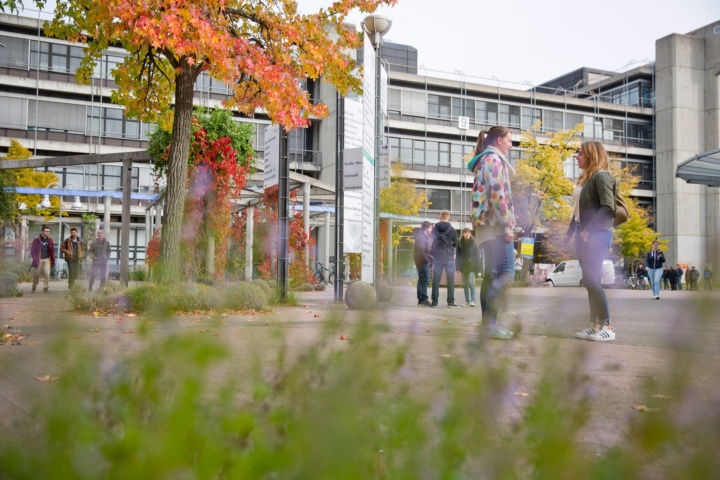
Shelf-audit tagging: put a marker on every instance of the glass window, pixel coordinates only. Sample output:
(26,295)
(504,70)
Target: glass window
(486,113)
(529,117)
(613,129)
(444,154)
(439,198)
(431,153)
(509,115)
(394,100)
(394,143)
(113,122)
(456,155)
(439,106)
(456,107)
(572,120)
(406,150)
(553,120)
(419,152)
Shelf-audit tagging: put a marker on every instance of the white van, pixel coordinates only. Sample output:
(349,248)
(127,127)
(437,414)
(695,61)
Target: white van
(569,274)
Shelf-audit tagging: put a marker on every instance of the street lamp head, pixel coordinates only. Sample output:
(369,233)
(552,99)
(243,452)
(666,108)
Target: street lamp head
(76,205)
(45,201)
(376,26)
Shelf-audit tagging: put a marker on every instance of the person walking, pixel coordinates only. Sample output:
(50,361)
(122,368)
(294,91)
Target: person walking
(423,259)
(443,249)
(100,250)
(654,261)
(494,219)
(707,279)
(591,225)
(42,252)
(467,263)
(73,251)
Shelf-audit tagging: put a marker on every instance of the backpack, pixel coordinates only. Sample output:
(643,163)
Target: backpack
(443,243)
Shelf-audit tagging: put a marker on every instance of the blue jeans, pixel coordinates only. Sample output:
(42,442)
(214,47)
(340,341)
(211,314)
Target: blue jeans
(591,255)
(469,286)
(655,275)
(448,264)
(497,274)
(423,281)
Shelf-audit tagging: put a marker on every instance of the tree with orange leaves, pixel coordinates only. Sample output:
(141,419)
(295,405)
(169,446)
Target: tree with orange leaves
(263,50)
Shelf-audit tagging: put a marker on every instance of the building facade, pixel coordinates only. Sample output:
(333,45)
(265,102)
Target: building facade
(51,115)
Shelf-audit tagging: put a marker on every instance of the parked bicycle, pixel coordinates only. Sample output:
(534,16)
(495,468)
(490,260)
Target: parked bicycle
(634,283)
(319,273)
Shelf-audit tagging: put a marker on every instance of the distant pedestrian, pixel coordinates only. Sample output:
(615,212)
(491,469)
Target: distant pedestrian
(467,263)
(443,249)
(707,279)
(680,272)
(672,276)
(693,277)
(73,250)
(42,252)
(100,250)
(594,197)
(654,261)
(423,260)
(665,279)
(493,215)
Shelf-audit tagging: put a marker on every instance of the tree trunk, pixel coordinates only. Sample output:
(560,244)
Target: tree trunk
(177,174)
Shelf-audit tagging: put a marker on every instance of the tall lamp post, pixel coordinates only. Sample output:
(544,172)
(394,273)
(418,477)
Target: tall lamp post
(376,26)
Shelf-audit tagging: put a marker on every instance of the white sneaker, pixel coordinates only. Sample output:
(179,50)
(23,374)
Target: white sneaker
(584,334)
(607,332)
(472,304)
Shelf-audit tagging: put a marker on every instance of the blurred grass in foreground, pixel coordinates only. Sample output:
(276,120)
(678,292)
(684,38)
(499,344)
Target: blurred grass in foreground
(356,409)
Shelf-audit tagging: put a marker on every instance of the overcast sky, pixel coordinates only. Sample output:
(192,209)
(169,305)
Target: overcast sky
(535,40)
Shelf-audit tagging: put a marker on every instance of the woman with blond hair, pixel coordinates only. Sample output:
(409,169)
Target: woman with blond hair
(592,224)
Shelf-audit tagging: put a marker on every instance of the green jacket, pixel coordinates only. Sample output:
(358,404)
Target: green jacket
(597,202)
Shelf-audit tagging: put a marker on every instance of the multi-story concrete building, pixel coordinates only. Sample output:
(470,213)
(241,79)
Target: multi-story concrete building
(50,114)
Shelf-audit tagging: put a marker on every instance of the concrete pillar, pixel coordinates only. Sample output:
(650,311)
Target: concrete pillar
(306,219)
(249,224)
(23,238)
(125,228)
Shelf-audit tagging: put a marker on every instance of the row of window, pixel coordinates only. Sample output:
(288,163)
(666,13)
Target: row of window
(433,153)
(103,177)
(484,113)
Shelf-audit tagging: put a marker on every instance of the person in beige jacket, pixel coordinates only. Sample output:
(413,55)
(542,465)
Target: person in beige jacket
(72,248)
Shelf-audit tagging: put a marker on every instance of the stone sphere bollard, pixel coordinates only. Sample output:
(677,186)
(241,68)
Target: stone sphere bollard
(360,296)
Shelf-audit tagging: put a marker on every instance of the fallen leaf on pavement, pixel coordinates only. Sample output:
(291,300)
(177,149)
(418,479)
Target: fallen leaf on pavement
(46,378)
(203,331)
(32,343)
(128,331)
(645,408)
(95,330)
(522,394)
(446,355)
(96,314)
(343,337)
(131,315)
(660,395)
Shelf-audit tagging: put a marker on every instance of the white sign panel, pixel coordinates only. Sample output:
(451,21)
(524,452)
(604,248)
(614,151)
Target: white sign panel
(384,166)
(271,155)
(353,123)
(352,224)
(383,90)
(464,123)
(368,224)
(353,168)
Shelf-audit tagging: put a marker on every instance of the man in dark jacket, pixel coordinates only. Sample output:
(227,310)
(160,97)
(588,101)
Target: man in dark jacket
(42,252)
(423,259)
(443,249)
(679,271)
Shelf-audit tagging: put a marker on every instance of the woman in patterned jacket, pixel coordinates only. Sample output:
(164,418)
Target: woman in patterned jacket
(494,220)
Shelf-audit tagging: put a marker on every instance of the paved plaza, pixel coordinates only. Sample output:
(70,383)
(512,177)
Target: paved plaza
(652,336)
